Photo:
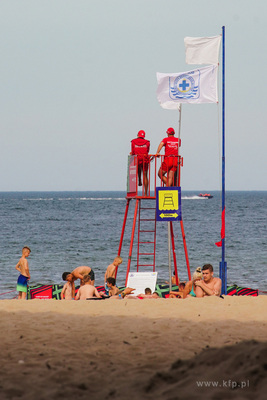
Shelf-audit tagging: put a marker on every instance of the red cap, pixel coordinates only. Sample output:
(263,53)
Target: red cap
(170,131)
(141,134)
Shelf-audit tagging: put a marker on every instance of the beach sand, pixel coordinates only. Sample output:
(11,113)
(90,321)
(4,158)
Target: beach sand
(169,349)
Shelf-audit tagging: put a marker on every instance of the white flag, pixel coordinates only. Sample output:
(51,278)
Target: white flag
(202,50)
(197,86)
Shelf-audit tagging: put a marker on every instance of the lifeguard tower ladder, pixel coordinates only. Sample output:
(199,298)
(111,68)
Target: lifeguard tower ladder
(145,216)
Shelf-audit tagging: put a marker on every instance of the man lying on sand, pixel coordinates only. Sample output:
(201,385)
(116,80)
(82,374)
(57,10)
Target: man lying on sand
(123,293)
(147,295)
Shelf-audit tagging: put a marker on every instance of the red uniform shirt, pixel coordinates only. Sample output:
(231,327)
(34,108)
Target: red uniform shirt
(171,144)
(140,147)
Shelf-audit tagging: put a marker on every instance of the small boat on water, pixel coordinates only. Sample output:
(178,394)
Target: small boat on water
(205,195)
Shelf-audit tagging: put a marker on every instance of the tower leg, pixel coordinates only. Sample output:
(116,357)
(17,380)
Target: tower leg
(169,252)
(174,254)
(123,230)
(132,240)
(185,250)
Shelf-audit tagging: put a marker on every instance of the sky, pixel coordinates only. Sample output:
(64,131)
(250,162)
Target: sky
(78,81)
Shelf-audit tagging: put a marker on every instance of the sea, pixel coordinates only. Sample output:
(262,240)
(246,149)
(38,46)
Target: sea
(68,229)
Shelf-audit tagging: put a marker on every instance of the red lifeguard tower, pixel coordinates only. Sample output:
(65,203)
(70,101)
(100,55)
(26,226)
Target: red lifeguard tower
(145,215)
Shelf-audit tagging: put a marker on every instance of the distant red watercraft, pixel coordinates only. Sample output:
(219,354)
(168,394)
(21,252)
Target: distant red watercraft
(206,195)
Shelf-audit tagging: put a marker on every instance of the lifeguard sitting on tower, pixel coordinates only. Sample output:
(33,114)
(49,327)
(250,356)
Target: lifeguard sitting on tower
(140,147)
(170,162)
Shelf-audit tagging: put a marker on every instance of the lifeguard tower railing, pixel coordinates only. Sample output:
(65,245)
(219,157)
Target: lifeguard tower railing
(146,235)
(152,175)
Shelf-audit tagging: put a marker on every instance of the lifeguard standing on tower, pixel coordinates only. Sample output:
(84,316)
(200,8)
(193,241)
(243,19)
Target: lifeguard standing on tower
(169,164)
(140,147)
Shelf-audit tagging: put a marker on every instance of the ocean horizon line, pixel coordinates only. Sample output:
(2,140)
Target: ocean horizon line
(119,191)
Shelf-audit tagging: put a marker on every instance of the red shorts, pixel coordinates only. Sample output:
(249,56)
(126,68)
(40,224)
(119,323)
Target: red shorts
(143,166)
(143,163)
(169,164)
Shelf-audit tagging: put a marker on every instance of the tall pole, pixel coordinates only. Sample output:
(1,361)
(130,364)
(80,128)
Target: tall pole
(180,120)
(169,252)
(223,264)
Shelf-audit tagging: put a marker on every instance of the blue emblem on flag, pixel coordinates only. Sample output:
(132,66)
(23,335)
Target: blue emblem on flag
(184,86)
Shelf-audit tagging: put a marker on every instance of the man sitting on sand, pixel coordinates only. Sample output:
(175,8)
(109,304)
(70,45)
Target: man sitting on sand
(87,291)
(209,286)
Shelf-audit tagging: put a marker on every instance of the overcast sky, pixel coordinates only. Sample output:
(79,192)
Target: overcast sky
(78,81)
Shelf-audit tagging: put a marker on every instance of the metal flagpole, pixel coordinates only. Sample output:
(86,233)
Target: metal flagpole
(169,252)
(223,263)
(179,107)
(180,117)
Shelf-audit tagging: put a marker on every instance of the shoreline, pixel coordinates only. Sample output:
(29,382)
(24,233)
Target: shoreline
(234,307)
(111,349)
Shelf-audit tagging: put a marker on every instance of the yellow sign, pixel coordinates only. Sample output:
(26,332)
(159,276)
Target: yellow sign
(168,200)
(175,215)
(168,204)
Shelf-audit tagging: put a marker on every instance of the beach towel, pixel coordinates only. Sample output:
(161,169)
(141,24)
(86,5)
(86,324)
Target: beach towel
(40,291)
(163,290)
(235,290)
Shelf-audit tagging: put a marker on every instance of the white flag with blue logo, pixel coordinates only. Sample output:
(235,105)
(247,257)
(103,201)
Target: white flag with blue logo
(196,86)
(202,50)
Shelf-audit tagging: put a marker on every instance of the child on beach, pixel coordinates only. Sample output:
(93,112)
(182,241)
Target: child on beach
(112,288)
(111,270)
(173,279)
(23,267)
(87,291)
(68,290)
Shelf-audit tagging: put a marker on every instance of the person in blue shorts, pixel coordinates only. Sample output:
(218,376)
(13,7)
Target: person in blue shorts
(23,267)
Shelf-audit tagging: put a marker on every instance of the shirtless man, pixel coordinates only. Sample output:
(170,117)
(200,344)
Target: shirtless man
(23,267)
(79,272)
(209,286)
(87,291)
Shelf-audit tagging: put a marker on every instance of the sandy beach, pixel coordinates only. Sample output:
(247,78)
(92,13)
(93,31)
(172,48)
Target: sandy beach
(138,349)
